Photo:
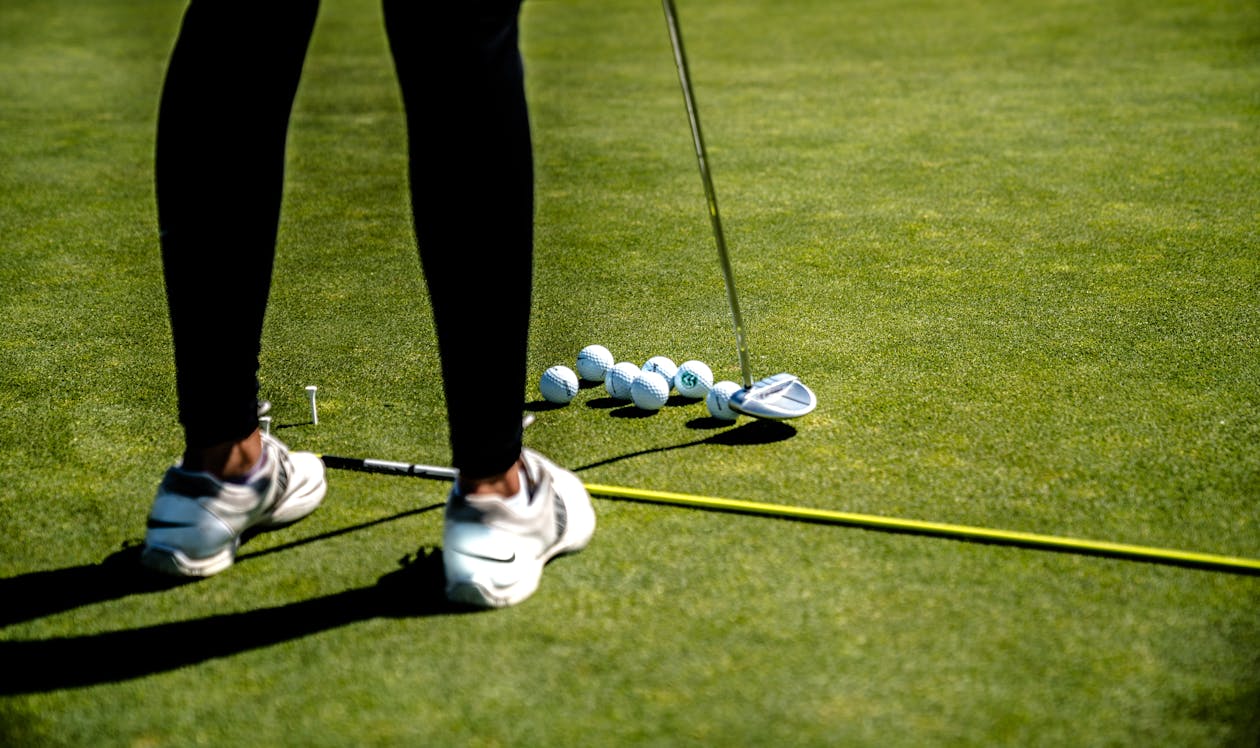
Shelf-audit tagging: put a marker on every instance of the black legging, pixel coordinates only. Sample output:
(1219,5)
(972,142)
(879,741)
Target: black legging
(221,135)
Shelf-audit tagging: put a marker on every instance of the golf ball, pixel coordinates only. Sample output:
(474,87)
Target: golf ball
(649,391)
(593,362)
(619,379)
(664,366)
(719,400)
(558,384)
(694,378)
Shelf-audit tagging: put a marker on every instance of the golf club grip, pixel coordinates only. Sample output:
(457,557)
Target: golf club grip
(702,160)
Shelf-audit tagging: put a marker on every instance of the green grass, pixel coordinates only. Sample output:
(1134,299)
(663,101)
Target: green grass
(1013,246)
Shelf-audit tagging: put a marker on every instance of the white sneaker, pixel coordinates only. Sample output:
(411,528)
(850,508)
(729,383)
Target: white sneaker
(494,552)
(197,520)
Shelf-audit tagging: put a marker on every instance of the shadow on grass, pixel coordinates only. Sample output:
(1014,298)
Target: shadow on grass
(292,425)
(756,432)
(416,589)
(620,408)
(542,406)
(43,593)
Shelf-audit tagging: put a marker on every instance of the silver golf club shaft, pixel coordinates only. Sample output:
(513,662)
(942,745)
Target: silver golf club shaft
(684,78)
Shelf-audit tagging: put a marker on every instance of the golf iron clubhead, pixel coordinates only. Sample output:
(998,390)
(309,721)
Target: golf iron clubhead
(777,398)
(781,396)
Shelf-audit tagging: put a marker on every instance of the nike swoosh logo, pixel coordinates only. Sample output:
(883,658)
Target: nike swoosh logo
(158,524)
(496,559)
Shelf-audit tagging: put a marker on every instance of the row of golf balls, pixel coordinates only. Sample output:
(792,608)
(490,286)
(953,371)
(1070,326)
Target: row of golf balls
(648,387)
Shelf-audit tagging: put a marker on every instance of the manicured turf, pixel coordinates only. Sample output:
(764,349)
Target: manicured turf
(1013,246)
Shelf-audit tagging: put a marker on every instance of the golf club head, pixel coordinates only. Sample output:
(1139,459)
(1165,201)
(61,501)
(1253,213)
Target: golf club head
(777,398)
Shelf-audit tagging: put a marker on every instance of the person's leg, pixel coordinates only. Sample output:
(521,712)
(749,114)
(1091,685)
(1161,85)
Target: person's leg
(222,124)
(512,510)
(471,167)
(219,169)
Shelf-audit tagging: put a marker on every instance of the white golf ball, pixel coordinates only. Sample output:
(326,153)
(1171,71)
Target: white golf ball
(719,400)
(649,391)
(619,379)
(593,362)
(664,366)
(694,378)
(558,384)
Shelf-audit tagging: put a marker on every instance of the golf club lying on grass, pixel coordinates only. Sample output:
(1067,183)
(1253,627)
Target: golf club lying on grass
(782,395)
(1191,559)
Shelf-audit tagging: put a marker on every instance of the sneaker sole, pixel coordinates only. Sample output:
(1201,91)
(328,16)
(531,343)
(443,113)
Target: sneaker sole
(173,562)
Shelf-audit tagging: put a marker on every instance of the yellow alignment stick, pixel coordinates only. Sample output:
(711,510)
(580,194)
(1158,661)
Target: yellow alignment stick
(1211,561)
(1094,547)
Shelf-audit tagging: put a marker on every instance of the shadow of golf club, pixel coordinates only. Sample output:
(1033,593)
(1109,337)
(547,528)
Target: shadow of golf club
(334,533)
(632,412)
(756,432)
(604,403)
(290,425)
(36,666)
(542,406)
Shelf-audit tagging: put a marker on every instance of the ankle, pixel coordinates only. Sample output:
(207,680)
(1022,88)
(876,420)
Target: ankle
(227,460)
(507,483)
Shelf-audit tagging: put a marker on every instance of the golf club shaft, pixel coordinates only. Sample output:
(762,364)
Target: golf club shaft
(387,467)
(1210,561)
(693,116)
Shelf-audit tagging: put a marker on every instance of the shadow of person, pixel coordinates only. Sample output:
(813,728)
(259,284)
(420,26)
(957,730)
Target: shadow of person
(416,589)
(38,594)
(44,593)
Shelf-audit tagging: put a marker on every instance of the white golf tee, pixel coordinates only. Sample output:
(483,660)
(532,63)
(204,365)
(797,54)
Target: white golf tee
(310,394)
